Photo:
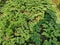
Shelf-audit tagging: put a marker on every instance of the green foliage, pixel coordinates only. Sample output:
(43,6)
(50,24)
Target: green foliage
(28,22)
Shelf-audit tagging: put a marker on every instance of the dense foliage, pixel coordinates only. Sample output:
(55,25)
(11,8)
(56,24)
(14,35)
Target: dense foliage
(28,22)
